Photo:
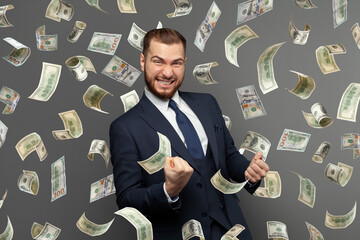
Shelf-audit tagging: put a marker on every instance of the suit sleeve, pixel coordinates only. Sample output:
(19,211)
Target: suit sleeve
(129,179)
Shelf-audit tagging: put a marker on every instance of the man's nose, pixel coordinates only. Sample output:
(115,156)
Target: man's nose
(167,71)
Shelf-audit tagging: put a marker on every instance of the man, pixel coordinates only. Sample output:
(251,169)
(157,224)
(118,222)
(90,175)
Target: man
(182,189)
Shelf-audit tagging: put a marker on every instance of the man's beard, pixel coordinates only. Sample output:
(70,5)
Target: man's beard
(165,95)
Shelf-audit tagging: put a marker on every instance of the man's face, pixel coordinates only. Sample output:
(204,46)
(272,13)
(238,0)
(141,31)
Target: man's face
(164,68)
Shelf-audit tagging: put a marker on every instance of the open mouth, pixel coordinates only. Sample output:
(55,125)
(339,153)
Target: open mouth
(165,83)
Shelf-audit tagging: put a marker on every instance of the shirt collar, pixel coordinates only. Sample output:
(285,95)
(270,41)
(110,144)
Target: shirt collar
(163,104)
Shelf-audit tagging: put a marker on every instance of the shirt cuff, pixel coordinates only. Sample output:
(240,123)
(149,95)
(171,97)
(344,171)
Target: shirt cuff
(174,200)
(248,182)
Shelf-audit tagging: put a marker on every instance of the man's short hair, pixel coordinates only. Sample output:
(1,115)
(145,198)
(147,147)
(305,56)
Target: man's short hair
(164,35)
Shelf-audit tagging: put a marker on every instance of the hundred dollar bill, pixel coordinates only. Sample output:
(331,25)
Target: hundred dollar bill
(143,226)
(255,142)
(90,228)
(156,162)
(325,57)
(297,36)
(129,100)
(136,37)
(227,122)
(350,141)
(182,8)
(72,124)
(192,228)
(3,131)
(121,71)
(58,10)
(252,8)
(318,118)
(99,147)
(235,39)
(47,232)
(265,69)
(30,143)
(4,22)
(105,43)
(79,65)
(28,182)
(340,221)
(102,188)
(126,6)
(345,174)
(314,233)
(349,103)
(207,26)
(159,25)
(202,73)
(250,103)
(95,4)
(355,30)
(321,152)
(305,86)
(225,186)
(307,192)
(292,140)
(356,153)
(233,232)
(339,174)
(45,42)
(276,230)
(76,31)
(272,186)
(58,179)
(339,11)
(49,79)
(3,199)
(8,232)
(93,97)
(10,98)
(19,54)
(304,4)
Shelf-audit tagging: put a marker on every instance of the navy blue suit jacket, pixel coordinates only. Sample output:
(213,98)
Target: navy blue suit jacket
(133,137)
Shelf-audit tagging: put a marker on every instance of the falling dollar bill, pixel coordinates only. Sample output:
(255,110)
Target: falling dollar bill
(58,10)
(339,11)
(126,6)
(297,36)
(136,37)
(235,39)
(252,8)
(207,26)
(28,182)
(142,225)
(49,79)
(19,54)
(72,124)
(307,192)
(340,221)
(318,118)
(95,4)
(79,65)
(321,152)
(265,69)
(47,232)
(314,233)
(58,179)
(129,100)
(3,132)
(350,141)
(277,230)
(99,147)
(102,188)
(192,228)
(255,142)
(182,8)
(93,96)
(340,174)
(227,122)
(10,98)
(30,143)
(304,4)
(45,42)
(355,30)
(349,103)
(272,186)
(325,57)
(233,232)
(224,185)
(76,31)
(202,73)
(156,162)
(250,102)
(159,25)
(3,199)
(8,232)
(90,228)
(304,87)
(121,71)
(4,22)
(105,43)
(356,153)
(292,140)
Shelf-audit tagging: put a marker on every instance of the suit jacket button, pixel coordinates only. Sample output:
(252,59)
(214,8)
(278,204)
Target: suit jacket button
(199,185)
(204,214)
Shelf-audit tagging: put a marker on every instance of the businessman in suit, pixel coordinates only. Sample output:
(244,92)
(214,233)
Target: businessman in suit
(200,146)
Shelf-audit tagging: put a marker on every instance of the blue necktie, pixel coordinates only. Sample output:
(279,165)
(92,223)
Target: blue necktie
(191,138)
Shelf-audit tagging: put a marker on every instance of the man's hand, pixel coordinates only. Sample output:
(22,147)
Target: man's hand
(177,175)
(257,169)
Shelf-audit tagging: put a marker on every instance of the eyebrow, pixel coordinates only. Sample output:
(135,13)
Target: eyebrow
(178,59)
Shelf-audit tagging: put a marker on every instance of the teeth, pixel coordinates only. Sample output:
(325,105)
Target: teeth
(167,83)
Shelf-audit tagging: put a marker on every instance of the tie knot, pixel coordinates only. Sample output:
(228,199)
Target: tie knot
(172,105)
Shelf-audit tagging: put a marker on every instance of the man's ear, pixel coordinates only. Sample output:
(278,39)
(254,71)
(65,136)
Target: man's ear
(142,61)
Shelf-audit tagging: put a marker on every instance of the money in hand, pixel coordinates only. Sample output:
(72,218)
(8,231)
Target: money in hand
(19,54)
(224,185)
(10,98)
(292,140)
(192,228)
(28,182)
(318,118)
(252,8)
(305,86)
(93,96)
(129,100)
(202,73)
(349,103)
(76,31)
(79,65)
(90,228)
(72,124)
(48,232)
(250,102)
(58,179)
(276,230)
(4,22)
(307,192)
(99,147)
(30,143)
(136,37)
(126,6)
(272,188)
(321,152)
(105,43)
(297,36)
(8,232)
(314,233)
(340,174)
(45,42)
(58,10)
(3,131)
(304,4)
(340,221)
(325,57)
(255,142)
(339,12)
(102,188)
(182,8)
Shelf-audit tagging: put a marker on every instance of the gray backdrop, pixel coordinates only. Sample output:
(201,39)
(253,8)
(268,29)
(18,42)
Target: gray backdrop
(283,110)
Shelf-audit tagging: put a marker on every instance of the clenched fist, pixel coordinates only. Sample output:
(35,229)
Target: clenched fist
(257,169)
